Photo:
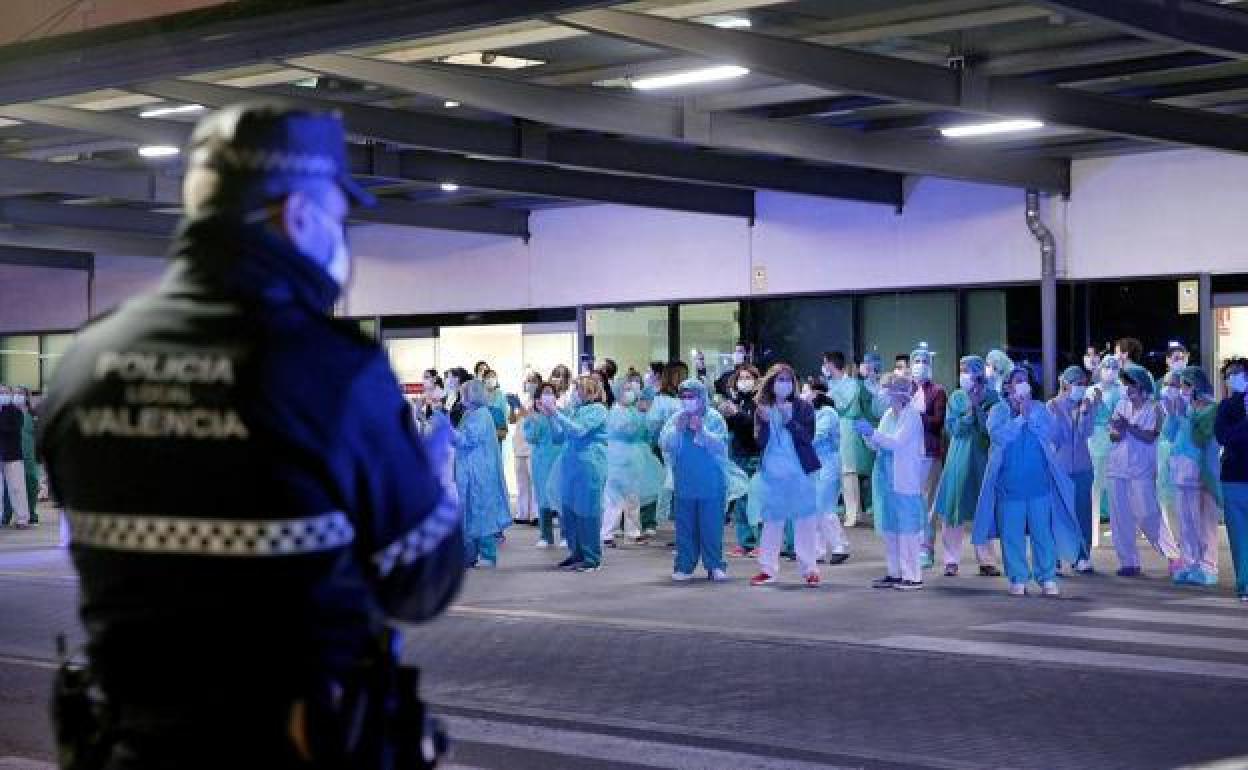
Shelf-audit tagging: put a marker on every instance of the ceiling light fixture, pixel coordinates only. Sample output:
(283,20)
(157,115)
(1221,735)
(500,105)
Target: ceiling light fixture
(158,151)
(692,77)
(732,22)
(181,109)
(449,187)
(988,129)
(488,59)
(450,104)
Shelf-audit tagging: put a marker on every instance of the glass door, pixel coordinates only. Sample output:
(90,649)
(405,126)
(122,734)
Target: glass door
(1230,331)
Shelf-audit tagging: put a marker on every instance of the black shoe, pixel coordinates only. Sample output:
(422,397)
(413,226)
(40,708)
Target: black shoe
(788,555)
(609,543)
(569,563)
(909,585)
(1128,572)
(888,581)
(838,558)
(987,570)
(951,570)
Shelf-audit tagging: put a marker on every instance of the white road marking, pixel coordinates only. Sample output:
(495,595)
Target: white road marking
(1197,619)
(1215,602)
(6,660)
(20,763)
(1066,656)
(612,748)
(1190,641)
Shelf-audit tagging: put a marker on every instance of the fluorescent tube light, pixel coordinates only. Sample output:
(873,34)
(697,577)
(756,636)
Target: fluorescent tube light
(489,59)
(988,129)
(181,109)
(449,187)
(691,77)
(450,104)
(732,22)
(158,151)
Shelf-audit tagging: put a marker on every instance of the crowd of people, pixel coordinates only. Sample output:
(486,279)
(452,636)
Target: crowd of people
(789,462)
(20,477)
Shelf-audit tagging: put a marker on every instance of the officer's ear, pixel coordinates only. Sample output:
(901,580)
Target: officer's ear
(294,217)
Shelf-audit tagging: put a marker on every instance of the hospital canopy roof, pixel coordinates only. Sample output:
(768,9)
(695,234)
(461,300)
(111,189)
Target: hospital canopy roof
(469,114)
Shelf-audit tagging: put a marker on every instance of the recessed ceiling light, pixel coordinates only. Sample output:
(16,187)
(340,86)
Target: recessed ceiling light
(732,22)
(180,109)
(450,104)
(988,129)
(449,187)
(158,151)
(691,77)
(487,59)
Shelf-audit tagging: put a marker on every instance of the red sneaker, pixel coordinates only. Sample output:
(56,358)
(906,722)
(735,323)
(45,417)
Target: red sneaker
(762,579)
(812,580)
(738,551)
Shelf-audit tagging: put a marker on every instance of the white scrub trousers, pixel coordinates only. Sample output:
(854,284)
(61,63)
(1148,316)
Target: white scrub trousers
(526,495)
(1197,511)
(805,532)
(1133,506)
(628,509)
(829,535)
(851,493)
(15,482)
(951,540)
(901,552)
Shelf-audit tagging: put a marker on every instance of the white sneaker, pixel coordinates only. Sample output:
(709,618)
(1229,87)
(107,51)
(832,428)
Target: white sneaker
(563,543)
(541,543)
(718,576)
(1083,565)
(681,577)
(1050,588)
(1018,589)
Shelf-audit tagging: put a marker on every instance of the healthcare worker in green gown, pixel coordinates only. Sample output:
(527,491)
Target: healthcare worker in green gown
(30,465)
(581,473)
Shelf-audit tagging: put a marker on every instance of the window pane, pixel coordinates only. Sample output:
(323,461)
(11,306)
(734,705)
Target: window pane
(1008,319)
(895,324)
(1147,310)
(54,346)
(631,336)
(546,345)
(19,360)
(712,328)
(411,356)
(799,330)
(499,345)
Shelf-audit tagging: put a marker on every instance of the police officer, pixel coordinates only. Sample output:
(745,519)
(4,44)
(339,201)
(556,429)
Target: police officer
(248,504)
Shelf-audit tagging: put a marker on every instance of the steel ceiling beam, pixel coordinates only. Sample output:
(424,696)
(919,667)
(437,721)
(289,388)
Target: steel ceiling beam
(657,120)
(88,181)
(891,78)
(19,211)
(61,259)
(238,34)
(466,219)
(511,176)
(535,145)
(1204,26)
(115,124)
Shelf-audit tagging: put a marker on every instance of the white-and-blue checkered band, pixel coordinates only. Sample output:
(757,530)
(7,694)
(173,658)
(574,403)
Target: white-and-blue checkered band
(211,537)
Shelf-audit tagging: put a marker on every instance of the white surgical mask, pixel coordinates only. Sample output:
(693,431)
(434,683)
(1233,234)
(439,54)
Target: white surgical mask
(827,370)
(921,371)
(745,386)
(1022,391)
(628,397)
(807,394)
(1237,382)
(574,398)
(5,399)
(1108,376)
(1077,392)
(548,400)
(691,405)
(338,262)
(651,380)
(530,388)
(452,384)
(784,389)
(491,382)
(738,358)
(634,384)
(1177,364)
(1169,391)
(1186,395)
(19,399)
(966,381)
(1090,363)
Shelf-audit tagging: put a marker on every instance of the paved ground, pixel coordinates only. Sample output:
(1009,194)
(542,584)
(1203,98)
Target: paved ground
(535,668)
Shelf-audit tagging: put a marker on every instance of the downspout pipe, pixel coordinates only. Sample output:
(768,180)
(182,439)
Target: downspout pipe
(1048,291)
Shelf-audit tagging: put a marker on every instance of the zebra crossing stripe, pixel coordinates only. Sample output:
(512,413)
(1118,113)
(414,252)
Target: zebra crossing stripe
(1130,636)
(1197,619)
(1066,656)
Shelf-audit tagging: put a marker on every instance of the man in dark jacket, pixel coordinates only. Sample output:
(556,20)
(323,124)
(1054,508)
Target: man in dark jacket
(1230,427)
(12,470)
(248,503)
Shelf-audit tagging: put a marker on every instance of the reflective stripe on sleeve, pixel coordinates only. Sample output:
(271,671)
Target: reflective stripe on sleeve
(211,537)
(421,540)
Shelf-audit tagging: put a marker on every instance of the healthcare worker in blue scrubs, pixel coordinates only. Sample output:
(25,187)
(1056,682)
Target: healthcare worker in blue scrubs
(479,477)
(581,473)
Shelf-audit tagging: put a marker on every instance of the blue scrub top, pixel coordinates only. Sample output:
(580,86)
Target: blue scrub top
(696,472)
(1023,474)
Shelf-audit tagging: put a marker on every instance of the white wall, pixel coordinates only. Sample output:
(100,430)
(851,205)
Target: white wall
(41,298)
(1183,211)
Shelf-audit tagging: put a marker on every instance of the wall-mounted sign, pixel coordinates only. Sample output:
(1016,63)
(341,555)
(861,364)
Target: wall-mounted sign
(1189,297)
(758,278)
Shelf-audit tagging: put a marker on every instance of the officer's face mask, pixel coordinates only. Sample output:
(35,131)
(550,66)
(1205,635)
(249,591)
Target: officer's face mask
(6,399)
(329,250)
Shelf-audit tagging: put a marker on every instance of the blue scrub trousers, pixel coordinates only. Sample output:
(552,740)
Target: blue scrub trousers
(1083,510)
(584,535)
(1235,497)
(699,533)
(546,525)
(1018,518)
(478,548)
(747,535)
